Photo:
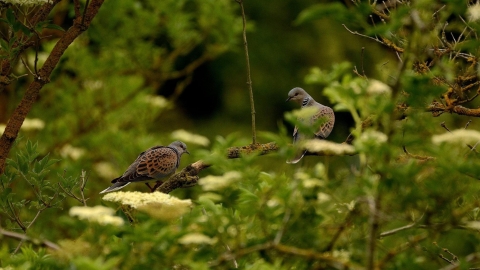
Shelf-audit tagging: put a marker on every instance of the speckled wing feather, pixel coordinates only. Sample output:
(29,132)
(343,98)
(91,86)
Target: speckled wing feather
(159,162)
(327,127)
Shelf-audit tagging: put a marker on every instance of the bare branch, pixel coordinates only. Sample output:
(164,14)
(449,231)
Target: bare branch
(24,238)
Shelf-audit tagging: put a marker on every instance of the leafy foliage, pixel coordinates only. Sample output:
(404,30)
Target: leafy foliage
(405,201)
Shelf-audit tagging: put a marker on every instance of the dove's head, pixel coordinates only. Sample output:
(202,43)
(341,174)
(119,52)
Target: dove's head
(298,95)
(180,147)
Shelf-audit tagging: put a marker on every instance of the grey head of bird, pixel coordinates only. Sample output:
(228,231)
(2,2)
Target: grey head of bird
(180,147)
(298,95)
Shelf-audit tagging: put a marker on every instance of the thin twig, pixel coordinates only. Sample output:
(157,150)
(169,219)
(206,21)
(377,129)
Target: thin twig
(84,178)
(33,220)
(468,123)
(249,78)
(406,227)
(279,235)
(373,204)
(85,11)
(444,126)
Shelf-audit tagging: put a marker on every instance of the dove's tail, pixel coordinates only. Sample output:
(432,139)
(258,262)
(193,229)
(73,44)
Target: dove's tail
(116,186)
(297,158)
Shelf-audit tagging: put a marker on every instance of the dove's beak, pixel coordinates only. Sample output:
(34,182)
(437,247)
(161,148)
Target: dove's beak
(288,99)
(186,151)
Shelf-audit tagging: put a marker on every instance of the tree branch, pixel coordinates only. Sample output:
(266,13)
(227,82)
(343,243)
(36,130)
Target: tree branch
(31,94)
(437,108)
(24,238)
(188,177)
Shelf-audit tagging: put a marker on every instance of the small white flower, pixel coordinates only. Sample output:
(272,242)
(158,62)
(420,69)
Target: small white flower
(99,214)
(323,197)
(188,137)
(33,124)
(72,152)
(156,101)
(370,139)
(196,239)
(312,182)
(93,84)
(473,12)
(342,255)
(457,136)
(213,182)
(105,170)
(473,225)
(378,87)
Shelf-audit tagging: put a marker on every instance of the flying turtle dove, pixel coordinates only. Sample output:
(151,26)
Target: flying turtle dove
(301,97)
(153,164)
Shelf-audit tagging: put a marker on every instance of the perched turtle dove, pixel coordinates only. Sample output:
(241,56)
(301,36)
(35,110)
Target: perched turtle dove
(300,96)
(153,164)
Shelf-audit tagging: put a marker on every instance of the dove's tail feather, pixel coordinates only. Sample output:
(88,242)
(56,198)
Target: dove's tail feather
(297,158)
(116,186)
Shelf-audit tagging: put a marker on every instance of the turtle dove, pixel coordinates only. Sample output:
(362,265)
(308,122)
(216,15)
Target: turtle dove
(301,97)
(153,164)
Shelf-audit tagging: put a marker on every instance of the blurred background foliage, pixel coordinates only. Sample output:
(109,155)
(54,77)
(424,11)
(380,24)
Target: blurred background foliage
(147,71)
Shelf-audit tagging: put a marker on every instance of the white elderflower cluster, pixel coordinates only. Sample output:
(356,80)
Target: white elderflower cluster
(457,136)
(196,239)
(156,101)
(328,147)
(369,139)
(188,137)
(158,205)
(33,124)
(72,152)
(213,182)
(105,170)
(307,180)
(378,87)
(28,2)
(99,214)
(473,12)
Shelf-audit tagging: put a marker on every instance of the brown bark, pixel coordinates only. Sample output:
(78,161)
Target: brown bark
(437,108)
(33,90)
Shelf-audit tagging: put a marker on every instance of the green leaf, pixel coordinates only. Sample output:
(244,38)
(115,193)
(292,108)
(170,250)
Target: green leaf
(54,26)
(10,17)
(25,30)
(321,11)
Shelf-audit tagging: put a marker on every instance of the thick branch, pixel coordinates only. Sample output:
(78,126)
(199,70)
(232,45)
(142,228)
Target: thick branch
(437,108)
(33,90)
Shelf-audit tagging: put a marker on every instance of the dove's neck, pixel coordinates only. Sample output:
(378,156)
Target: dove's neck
(307,101)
